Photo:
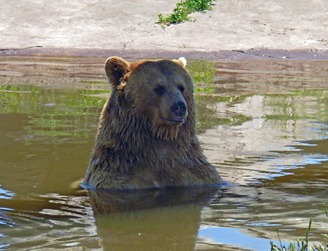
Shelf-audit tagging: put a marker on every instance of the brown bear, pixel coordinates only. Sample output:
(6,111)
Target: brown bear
(146,136)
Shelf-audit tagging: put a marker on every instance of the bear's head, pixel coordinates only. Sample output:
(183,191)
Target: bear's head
(159,92)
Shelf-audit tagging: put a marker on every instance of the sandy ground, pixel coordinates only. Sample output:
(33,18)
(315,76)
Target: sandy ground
(95,27)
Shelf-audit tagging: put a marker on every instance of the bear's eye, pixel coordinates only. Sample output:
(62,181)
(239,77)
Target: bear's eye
(159,89)
(181,88)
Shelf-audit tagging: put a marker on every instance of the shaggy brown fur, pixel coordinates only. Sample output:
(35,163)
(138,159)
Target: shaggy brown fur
(146,136)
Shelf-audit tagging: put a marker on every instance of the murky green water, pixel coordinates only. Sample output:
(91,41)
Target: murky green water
(262,123)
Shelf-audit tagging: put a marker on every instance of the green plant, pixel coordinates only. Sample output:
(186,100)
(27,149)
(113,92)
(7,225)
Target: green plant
(183,9)
(302,245)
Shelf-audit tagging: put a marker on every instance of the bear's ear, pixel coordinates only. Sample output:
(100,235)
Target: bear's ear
(181,61)
(116,68)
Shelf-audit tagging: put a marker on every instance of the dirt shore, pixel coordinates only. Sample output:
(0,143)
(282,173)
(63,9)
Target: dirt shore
(296,29)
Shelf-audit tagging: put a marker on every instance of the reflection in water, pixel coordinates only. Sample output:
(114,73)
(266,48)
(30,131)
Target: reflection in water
(166,219)
(270,140)
(264,124)
(233,237)
(48,221)
(160,229)
(104,202)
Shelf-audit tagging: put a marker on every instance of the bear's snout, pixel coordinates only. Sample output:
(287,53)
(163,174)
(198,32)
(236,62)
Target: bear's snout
(179,108)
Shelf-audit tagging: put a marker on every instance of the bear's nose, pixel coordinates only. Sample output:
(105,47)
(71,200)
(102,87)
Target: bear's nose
(179,108)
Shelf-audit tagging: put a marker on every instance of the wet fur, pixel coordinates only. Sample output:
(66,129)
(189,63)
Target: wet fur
(134,149)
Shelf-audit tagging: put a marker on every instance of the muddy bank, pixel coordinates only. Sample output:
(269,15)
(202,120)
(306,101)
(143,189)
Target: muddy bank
(232,29)
(311,54)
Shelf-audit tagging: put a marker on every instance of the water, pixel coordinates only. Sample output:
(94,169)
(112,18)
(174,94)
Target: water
(262,123)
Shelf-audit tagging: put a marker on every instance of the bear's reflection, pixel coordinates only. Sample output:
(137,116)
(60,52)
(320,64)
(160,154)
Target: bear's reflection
(150,220)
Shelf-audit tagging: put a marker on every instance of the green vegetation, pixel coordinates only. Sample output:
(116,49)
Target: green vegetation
(294,106)
(207,113)
(183,9)
(202,71)
(94,82)
(303,245)
(203,75)
(52,114)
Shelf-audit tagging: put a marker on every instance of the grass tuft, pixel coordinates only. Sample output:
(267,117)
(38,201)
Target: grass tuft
(183,9)
(302,245)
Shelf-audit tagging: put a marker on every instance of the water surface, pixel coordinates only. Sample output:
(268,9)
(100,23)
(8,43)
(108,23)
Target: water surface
(263,123)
